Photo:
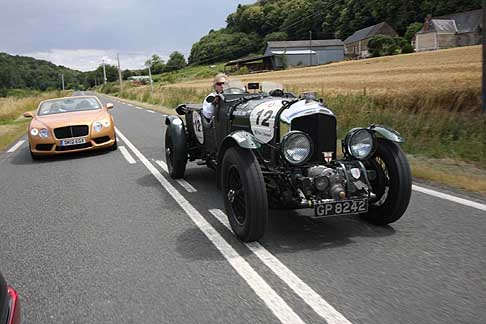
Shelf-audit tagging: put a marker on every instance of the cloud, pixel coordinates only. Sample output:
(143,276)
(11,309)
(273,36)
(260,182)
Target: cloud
(90,59)
(124,25)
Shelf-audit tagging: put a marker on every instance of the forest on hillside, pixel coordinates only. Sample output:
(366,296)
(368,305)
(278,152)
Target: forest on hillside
(22,72)
(251,26)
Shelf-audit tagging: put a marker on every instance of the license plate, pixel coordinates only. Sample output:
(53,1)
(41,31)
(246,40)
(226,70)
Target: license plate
(73,141)
(341,207)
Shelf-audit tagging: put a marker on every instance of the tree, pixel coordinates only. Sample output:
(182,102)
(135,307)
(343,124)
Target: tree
(176,62)
(156,63)
(412,29)
(386,45)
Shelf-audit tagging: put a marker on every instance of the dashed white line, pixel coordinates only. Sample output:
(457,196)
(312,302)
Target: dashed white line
(308,295)
(162,165)
(16,146)
(151,111)
(138,108)
(455,199)
(273,301)
(127,155)
(184,184)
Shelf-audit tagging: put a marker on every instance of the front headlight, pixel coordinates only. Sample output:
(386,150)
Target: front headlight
(360,143)
(97,126)
(296,147)
(44,133)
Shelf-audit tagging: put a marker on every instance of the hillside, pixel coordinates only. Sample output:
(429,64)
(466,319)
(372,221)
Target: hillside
(250,26)
(18,72)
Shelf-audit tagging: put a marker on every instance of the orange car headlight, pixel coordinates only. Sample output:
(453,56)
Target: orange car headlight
(44,133)
(98,125)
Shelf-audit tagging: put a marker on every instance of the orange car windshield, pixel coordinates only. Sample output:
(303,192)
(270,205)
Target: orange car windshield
(68,105)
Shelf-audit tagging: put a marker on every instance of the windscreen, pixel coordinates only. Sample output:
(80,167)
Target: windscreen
(234,86)
(68,105)
(268,86)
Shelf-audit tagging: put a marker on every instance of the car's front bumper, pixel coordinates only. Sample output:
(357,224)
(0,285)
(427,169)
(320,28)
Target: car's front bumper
(52,146)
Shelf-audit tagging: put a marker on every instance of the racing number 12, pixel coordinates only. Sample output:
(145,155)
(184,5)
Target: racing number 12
(268,114)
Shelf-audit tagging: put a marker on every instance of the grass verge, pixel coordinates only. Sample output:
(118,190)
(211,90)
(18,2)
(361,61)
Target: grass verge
(12,123)
(11,132)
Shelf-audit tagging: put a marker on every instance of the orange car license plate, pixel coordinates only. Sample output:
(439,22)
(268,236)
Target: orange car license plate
(73,141)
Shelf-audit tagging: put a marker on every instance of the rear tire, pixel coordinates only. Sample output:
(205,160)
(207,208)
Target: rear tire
(393,184)
(244,194)
(175,156)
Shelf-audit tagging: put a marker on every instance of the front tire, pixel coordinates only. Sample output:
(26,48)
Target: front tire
(392,185)
(244,194)
(114,147)
(175,156)
(34,156)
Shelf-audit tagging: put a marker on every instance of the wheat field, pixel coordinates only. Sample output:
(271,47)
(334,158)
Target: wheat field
(418,80)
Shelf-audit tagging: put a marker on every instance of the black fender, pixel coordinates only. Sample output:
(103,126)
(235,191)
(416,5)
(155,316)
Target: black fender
(388,133)
(239,138)
(175,125)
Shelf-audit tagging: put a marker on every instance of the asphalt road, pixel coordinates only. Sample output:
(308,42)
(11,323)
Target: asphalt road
(107,237)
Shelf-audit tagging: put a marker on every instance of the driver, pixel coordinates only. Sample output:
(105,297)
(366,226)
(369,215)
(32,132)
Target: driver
(218,86)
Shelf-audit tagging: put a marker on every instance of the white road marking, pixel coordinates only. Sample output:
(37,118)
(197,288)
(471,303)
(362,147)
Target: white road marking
(16,146)
(184,184)
(162,165)
(455,199)
(151,111)
(127,155)
(273,301)
(138,108)
(308,295)
(130,105)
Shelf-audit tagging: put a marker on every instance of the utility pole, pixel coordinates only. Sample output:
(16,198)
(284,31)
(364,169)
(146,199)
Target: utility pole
(104,72)
(310,47)
(483,32)
(150,77)
(119,72)
(62,79)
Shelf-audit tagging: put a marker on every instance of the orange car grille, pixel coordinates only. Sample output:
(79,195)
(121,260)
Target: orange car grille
(71,131)
(73,147)
(100,140)
(44,147)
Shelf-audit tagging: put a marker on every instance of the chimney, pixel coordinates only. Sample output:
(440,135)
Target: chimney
(427,22)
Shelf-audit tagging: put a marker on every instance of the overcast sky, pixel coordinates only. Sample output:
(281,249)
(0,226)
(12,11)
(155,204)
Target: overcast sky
(79,34)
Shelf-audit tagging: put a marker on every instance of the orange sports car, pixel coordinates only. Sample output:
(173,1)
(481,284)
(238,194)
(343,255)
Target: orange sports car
(70,124)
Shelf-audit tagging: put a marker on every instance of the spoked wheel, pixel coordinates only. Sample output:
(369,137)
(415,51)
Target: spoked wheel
(392,185)
(244,194)
(175,156)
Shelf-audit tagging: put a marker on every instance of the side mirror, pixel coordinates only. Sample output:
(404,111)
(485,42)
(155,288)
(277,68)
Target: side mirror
(210,99)
(28,114)
(109,106)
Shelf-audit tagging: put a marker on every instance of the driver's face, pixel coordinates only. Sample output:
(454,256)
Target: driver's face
(219,86)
